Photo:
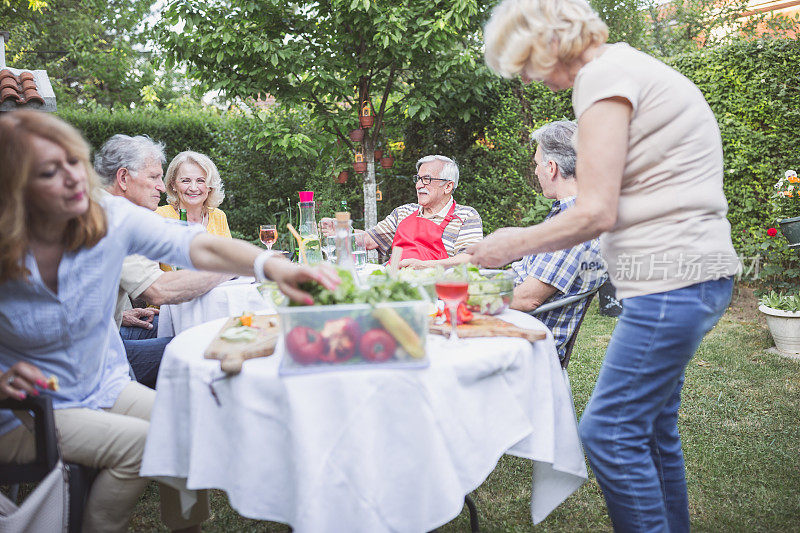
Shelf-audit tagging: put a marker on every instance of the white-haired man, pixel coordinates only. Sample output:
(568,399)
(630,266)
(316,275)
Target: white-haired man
(548,276)
(131,167)
(435,230)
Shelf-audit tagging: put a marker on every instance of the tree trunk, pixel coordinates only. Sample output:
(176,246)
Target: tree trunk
(370,187)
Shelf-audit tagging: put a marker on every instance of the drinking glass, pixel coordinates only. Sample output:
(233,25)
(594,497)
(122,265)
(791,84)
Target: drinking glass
(359,250)
(329,247)
(268,234)
(452,291)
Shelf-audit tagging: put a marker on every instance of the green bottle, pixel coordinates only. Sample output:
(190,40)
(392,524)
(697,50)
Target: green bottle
(343,207)
(184,218)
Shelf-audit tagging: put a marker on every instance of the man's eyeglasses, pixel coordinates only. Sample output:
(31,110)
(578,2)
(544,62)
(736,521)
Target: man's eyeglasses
(426,179)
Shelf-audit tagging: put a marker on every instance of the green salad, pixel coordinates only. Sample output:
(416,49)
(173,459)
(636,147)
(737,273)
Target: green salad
(377,289)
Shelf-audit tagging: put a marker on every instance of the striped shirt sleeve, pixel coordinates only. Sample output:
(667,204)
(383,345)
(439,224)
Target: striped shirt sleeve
(383,232)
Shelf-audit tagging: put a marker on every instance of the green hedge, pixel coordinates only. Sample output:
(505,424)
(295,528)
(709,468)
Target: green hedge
(754,89)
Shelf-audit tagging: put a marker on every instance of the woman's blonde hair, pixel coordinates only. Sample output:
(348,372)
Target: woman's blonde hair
(539,33)
(17,168)
(216,192)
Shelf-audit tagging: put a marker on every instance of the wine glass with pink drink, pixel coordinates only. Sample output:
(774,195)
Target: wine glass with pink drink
(452,291)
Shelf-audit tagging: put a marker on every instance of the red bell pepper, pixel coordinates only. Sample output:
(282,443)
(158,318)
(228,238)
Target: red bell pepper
(305,344)
(463,315)
(342,336)
(377,345)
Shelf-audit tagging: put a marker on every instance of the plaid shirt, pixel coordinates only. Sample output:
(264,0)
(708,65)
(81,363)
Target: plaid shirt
(465,229)
(570,271)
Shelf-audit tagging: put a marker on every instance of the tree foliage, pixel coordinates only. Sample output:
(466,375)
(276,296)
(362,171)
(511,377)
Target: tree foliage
(676,27)
(90,49)
(417,59)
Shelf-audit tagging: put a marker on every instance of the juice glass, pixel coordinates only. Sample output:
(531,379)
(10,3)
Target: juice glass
(452,292)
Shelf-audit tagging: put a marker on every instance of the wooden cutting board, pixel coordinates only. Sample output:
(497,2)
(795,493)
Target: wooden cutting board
(489,326)
(233,354)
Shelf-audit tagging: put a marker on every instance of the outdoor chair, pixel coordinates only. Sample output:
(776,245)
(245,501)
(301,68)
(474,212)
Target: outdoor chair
(48,457)
(556,304)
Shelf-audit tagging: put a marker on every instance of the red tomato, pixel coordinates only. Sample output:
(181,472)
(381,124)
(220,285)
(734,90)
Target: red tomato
(305,344)
(377,345)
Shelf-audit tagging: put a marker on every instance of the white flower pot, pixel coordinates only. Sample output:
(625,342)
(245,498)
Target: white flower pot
(785,329)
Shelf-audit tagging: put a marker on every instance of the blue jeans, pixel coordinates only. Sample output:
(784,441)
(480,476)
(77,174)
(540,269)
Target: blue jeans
(630,426)
(144,351)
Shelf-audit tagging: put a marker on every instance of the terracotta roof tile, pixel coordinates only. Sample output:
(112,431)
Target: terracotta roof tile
(21,88)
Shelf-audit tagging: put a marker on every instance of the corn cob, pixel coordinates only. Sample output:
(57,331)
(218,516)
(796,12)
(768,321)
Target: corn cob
(400,330)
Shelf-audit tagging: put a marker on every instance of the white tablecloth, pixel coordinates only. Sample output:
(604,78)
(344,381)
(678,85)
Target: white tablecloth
(231,298)
(367,450)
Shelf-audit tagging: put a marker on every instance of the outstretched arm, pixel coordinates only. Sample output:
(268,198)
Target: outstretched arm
(602,151)
(179,286)
(218,254)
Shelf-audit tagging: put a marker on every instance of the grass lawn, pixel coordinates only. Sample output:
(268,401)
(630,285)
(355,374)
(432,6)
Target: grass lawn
(739,420)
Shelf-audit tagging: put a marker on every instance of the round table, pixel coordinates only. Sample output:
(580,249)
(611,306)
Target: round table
(230,298)
(369,450)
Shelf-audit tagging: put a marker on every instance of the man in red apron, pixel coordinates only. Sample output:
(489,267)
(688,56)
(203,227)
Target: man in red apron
(435,230)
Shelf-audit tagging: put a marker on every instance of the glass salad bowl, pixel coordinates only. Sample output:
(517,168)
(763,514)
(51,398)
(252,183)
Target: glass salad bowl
(490,293)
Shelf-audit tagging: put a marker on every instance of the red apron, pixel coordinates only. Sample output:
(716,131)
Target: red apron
(421,238)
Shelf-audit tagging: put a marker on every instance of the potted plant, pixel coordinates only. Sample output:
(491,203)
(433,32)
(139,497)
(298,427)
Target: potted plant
(782,311)
(387,161)
(342,177)
(787,207)
(356,135)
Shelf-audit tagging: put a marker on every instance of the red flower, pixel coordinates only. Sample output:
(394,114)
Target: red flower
(772,232)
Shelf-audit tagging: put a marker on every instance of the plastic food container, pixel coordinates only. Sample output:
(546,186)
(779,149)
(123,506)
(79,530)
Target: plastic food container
(491,296)
(352,336)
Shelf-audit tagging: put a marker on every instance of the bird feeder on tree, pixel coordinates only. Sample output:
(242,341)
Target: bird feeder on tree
(365,116)
(359,165)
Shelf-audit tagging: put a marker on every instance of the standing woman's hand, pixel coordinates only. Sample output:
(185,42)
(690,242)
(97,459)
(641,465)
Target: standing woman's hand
(498,249)
(20,380)
(289,276)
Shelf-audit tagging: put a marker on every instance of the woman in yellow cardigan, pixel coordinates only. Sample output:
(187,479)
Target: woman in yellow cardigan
(193,183)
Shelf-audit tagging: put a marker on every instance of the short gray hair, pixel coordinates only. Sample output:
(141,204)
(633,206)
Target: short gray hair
(555,140)
(449,170)
(124,151)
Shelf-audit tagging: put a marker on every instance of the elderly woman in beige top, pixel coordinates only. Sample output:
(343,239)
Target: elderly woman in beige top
(649,174)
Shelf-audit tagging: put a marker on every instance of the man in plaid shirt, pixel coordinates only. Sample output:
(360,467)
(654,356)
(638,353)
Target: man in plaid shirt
(544,277)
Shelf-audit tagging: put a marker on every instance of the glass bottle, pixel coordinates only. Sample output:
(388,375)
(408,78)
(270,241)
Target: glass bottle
(308,227)
(344,236)
(182,216)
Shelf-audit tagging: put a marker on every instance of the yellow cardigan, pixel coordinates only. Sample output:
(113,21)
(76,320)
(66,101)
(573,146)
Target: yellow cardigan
(217,223)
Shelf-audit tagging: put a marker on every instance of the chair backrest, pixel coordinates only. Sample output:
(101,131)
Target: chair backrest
(571,342)
(575,298)
(47,455)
